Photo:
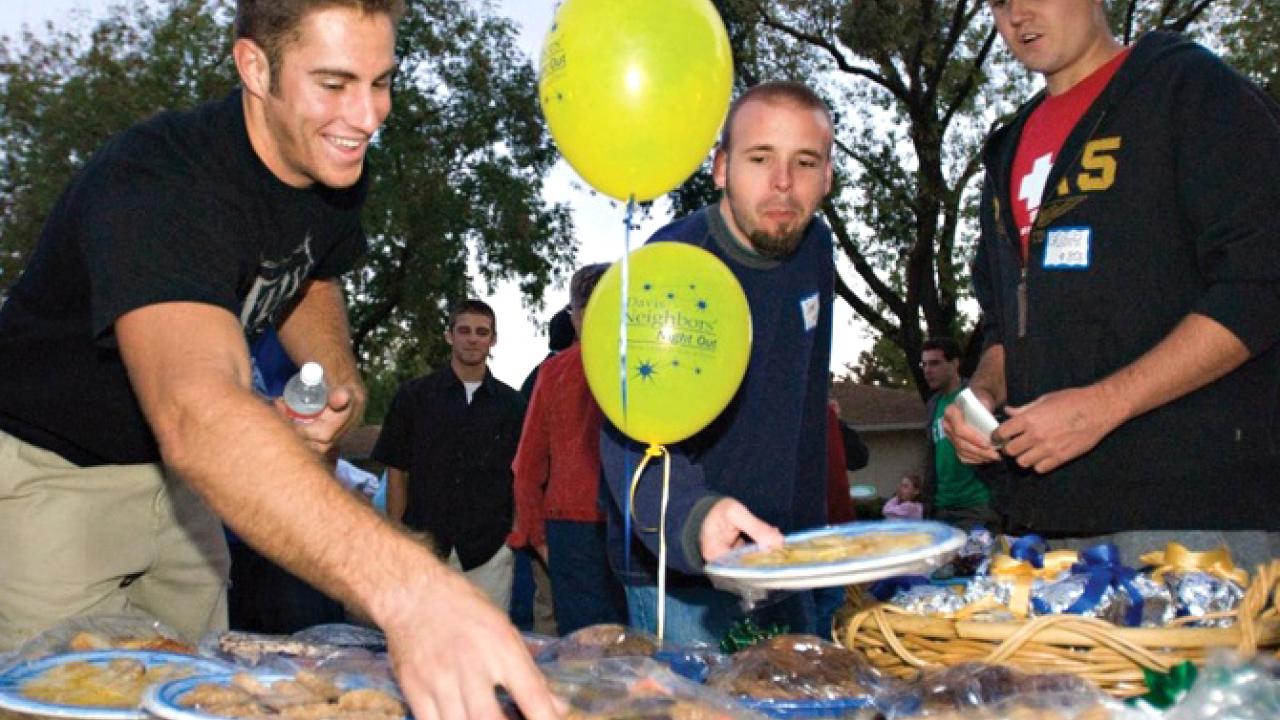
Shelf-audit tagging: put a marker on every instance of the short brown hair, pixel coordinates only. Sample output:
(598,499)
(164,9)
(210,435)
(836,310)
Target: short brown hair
(584,283)
(774,92)
(273,24)
(472,306)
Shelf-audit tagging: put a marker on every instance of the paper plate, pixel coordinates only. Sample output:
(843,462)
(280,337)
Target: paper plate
(13,679)
(944,542)
(163,700)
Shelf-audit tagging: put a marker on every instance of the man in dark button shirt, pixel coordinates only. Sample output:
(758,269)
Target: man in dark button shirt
(448,442)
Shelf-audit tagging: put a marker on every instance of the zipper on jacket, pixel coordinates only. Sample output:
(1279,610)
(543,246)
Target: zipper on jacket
(1023,297)
(1022,302)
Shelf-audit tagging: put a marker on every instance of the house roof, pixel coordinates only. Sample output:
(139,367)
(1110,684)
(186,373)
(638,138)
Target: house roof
(870,407)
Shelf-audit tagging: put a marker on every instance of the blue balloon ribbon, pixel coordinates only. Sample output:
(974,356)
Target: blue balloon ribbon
(1102,564)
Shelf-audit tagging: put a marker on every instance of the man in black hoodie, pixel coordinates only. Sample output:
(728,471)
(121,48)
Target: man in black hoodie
(1129,274)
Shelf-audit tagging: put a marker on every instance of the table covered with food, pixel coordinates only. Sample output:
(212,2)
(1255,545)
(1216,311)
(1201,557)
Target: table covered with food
(976,628)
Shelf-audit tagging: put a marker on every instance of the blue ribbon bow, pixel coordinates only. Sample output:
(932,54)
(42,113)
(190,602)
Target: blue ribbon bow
(1029,549)
(1102,564)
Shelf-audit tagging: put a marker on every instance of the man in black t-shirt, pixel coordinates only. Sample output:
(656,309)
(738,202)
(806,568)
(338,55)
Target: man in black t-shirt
(448,442)
(126,412)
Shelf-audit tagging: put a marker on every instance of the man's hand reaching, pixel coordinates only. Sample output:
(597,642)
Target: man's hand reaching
(451,648)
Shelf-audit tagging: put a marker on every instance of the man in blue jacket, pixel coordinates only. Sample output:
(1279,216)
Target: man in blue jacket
(1129,274)
(760,467)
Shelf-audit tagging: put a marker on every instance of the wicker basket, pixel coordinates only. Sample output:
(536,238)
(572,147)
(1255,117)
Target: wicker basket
(901,644)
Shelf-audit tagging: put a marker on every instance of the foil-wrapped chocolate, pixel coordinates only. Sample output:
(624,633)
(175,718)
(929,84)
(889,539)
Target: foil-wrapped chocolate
(930,600)
(1054,598)
(1113,605)
(1197,594)
(1157,604)
(983,587)
(1202,582)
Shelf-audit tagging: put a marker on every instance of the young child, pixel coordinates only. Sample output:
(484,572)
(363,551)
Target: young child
(905,505)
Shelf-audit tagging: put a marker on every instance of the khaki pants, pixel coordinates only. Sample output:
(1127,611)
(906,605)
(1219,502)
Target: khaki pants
(494,577)
(112,539)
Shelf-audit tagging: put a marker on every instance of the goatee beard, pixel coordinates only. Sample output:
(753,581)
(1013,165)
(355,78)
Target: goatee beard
(775,247)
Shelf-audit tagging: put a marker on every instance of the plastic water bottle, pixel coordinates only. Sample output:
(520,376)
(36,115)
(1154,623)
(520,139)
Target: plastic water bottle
(306,394)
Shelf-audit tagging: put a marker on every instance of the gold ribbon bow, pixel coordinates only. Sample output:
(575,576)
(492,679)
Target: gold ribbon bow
(1022,573)
(1178,559)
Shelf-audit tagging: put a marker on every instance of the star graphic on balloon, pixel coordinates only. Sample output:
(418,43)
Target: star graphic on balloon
(646,370)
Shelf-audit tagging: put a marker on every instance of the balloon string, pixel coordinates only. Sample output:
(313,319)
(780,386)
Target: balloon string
(622,373)
(653,451)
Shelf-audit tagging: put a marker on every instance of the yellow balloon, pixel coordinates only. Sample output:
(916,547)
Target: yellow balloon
(687,346)
(634,91)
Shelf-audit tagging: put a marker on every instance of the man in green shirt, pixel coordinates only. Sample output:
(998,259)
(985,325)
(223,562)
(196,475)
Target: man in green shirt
(953,492)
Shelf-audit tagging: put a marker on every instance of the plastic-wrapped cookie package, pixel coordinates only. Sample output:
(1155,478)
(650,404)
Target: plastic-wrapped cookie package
(993,692)
(635,687)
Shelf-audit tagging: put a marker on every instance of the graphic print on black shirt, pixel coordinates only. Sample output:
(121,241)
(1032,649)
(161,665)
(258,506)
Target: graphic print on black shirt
(276,285)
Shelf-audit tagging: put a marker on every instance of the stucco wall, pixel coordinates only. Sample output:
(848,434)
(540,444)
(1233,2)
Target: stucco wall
(892,453)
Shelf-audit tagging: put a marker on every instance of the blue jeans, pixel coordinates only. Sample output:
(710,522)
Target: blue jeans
(584,590)
(704,614)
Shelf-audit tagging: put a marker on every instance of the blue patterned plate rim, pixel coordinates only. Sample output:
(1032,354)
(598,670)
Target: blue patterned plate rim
(945,539)
(16,676)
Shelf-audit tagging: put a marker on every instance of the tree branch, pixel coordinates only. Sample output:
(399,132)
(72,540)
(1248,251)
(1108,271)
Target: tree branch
(842,63)
(954,32)
(1129,16)
(864,310)
(970,83)
(860,264)
(1192,15)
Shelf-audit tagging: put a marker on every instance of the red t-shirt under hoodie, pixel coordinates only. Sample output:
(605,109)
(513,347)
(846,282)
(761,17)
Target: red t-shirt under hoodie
(1042,137)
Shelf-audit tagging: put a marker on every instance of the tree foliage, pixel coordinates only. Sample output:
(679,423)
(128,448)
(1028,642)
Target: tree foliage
(62,94)
(1252,43)
(458,189)
(457,172)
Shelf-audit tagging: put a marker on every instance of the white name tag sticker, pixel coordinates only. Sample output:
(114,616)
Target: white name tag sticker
(809,311)
(1067,248)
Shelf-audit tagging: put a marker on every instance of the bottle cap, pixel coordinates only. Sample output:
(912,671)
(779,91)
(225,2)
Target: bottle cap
(311,373)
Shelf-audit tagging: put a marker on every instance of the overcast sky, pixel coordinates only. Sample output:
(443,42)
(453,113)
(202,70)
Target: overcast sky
(598,222)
